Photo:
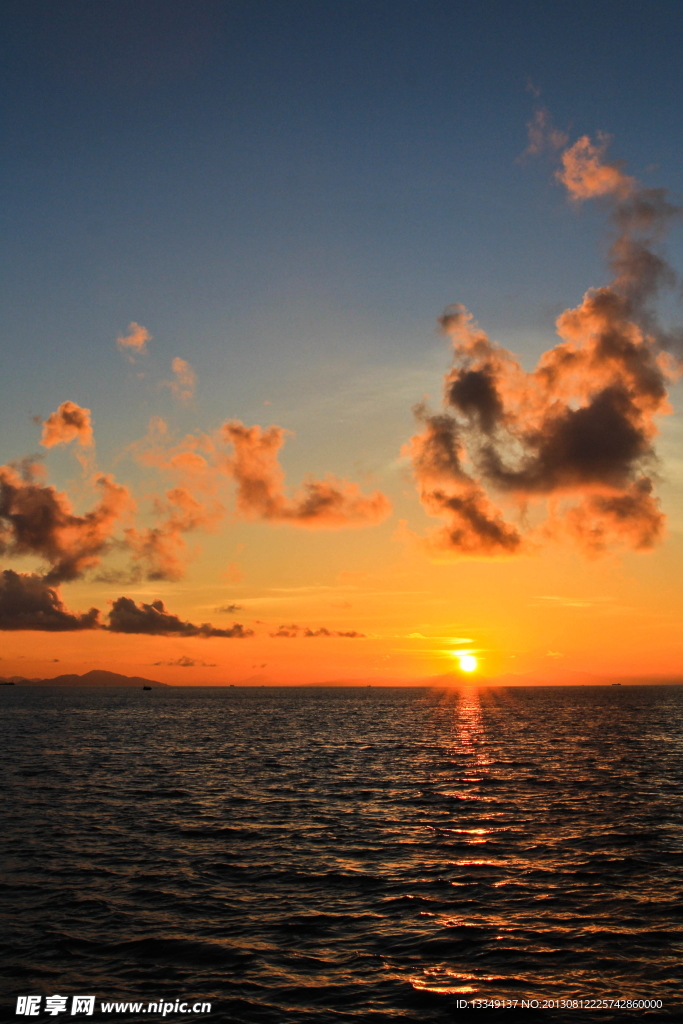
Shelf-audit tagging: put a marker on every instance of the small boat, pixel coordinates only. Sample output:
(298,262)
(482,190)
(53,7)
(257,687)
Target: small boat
(146,687)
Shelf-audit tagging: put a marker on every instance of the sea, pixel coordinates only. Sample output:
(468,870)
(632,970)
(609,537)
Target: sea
(343,854)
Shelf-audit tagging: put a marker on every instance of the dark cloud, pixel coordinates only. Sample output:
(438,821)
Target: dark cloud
(120,577)
(293,631)
(38,520)
(598,443)
(185,662)
(28,602)
(128,617)
(473,525)
(230,609)
(474,393)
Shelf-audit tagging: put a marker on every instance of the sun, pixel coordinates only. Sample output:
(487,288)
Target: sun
(468,662)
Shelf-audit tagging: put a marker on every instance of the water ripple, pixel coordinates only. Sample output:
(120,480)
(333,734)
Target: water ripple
(345,854)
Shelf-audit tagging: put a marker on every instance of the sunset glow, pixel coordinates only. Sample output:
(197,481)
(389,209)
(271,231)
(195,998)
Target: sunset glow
(315,449)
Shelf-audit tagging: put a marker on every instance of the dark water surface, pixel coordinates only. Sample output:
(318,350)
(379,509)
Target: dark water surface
(325,855)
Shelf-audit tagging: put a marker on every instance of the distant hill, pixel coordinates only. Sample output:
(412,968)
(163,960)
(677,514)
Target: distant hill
(97,677)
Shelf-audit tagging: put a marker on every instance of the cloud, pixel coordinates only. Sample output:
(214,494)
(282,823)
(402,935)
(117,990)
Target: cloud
(293,631)
(70,422)
(200,462)
(329,503)
(183,387)
(542,133)
(230,609)
(153,619)
(473,525)
(188,459)
(585,175)
(135,342)
(577,432)
(39,520)
(185,662)
(28,602)
(161,551)
(632,518)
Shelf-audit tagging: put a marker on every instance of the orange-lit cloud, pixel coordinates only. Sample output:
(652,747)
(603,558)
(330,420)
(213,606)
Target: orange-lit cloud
(161,551)
(190,460)
(70,422)
(135,342)
(128,617)
(201,462)
(183,387)
(38,520)
(576,432)
(329,503)
(585,175)
(28,602)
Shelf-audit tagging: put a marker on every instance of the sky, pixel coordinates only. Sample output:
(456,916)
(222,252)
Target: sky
(341,340)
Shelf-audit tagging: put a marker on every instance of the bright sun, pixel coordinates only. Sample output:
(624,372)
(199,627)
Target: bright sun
(468,662)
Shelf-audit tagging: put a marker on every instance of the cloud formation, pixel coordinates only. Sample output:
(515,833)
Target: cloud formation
(294,631)
(70,422)
(576,432)
(473,526)
(329,503)
(201,463)
(128,617)
(28,602)
(38,520)
(135,342)
(185,662)
(183,387)
(161,551)
(542,134)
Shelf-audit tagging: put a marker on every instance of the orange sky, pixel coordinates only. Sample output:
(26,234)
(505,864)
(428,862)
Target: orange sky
(527,517)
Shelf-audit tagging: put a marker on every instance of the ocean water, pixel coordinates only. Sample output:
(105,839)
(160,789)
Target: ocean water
(345,855)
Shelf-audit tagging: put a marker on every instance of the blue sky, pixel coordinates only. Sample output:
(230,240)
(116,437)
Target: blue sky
(266,185)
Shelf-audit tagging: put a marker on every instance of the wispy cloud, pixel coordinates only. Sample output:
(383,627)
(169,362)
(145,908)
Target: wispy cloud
(329,503)
(185,382)
(161,551)
(187,662)
(135,342)
(295,631)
